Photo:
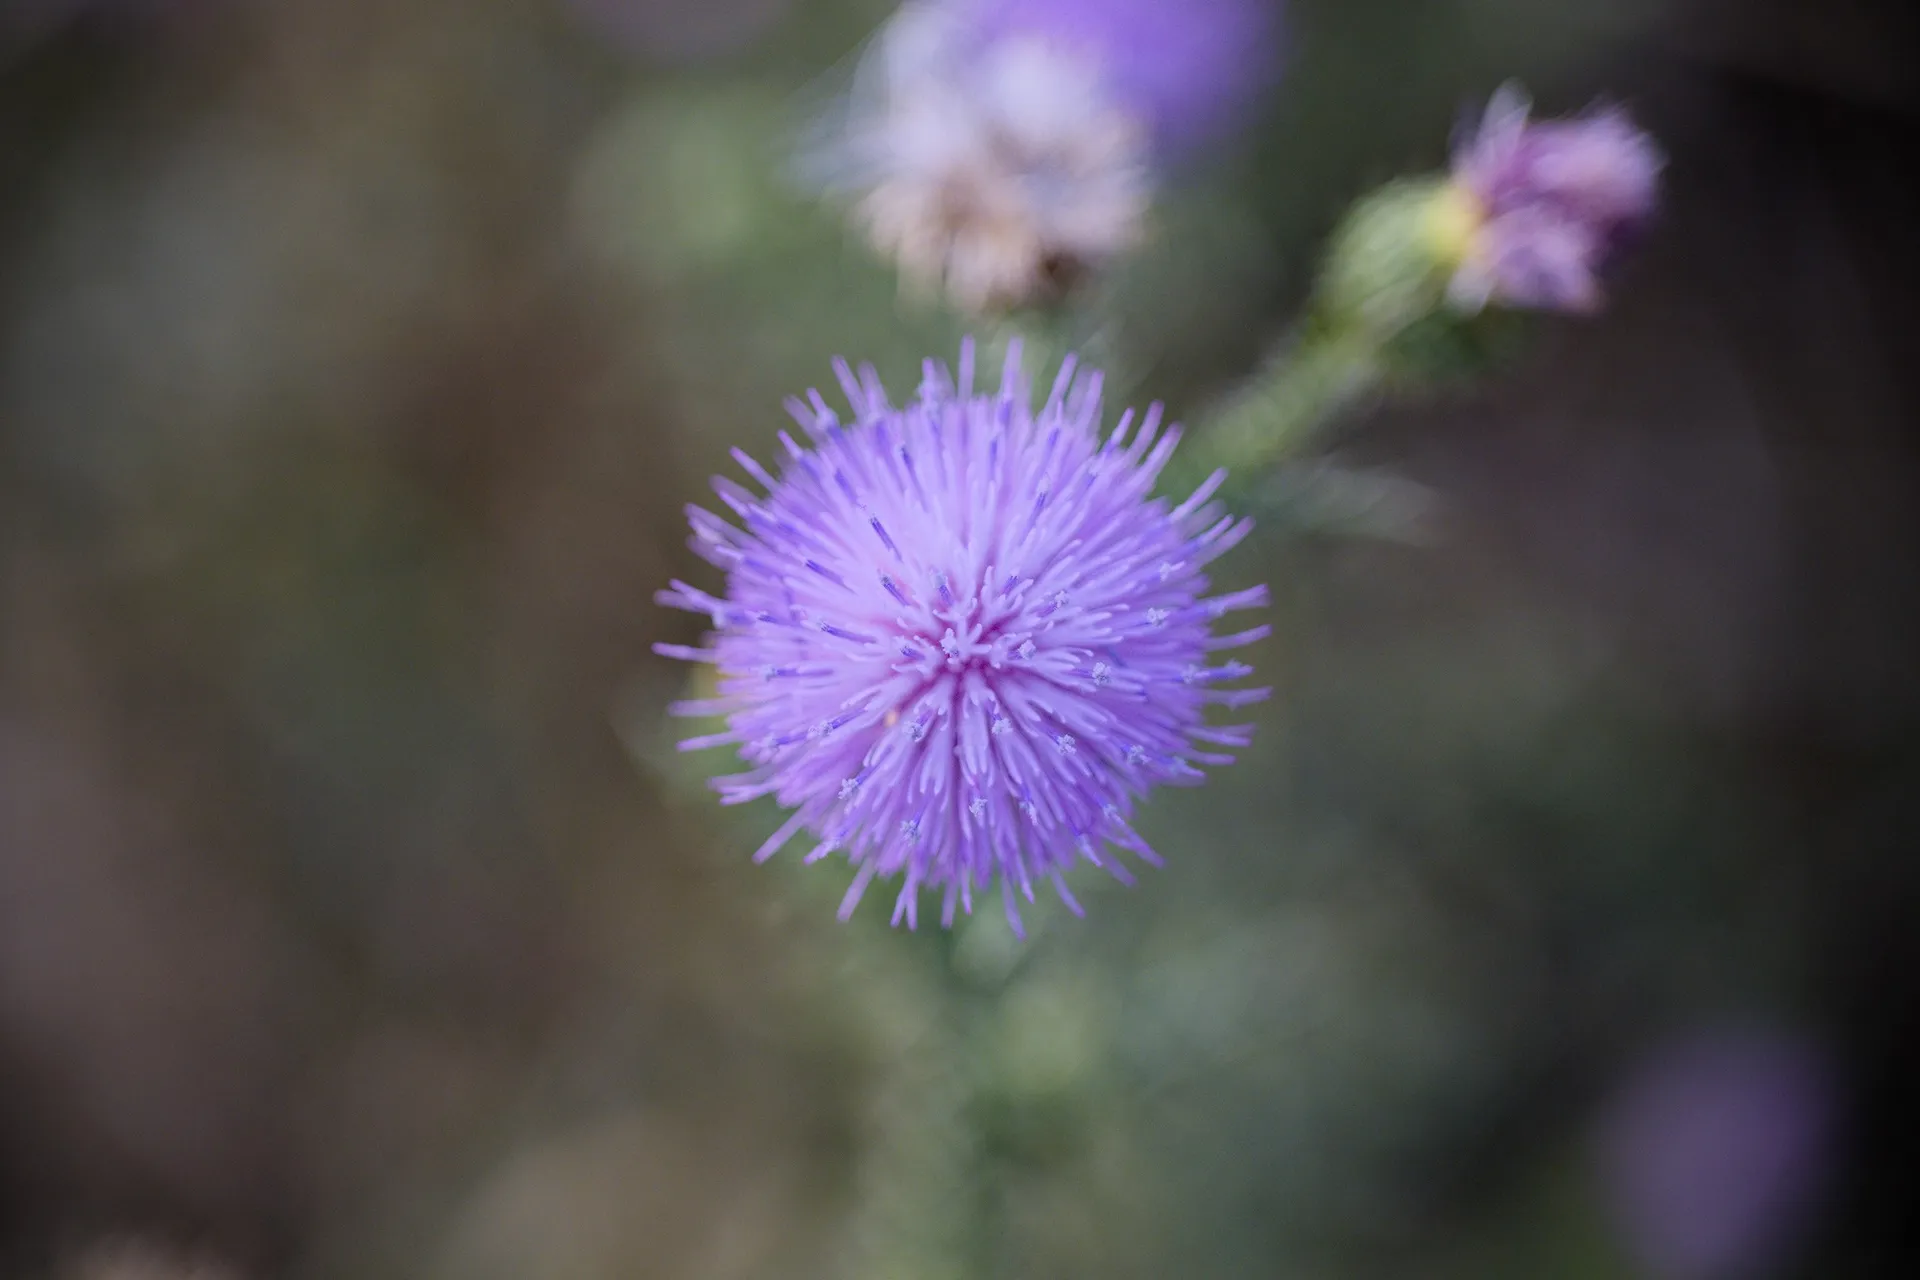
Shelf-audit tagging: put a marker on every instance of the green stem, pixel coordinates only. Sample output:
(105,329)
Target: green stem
(1302,389)
(1292,400)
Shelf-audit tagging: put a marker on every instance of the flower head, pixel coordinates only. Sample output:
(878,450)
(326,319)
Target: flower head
(959,639)
(1546,204)
(999,149)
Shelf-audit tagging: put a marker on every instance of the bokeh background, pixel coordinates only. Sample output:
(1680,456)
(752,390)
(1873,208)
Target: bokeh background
(357,918)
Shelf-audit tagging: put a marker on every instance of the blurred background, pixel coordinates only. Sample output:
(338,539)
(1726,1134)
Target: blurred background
(357,918)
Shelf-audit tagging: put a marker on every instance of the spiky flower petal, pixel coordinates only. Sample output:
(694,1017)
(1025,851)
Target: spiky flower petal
(960,639)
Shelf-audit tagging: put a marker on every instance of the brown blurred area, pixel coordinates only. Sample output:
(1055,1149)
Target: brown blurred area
(320,863)
(357,919)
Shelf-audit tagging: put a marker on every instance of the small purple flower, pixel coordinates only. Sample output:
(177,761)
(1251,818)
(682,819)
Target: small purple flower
(1549,203)
(1716,1151)
(999,148)
(960,639)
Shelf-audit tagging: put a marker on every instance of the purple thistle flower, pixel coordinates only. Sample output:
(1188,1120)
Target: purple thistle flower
(960,639)
(1550,203)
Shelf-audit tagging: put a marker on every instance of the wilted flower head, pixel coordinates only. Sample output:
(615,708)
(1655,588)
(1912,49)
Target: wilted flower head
(1001,147)
(959,639)
(1541,207)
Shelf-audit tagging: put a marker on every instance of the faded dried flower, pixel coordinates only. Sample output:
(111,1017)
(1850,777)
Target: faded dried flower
(1000,150)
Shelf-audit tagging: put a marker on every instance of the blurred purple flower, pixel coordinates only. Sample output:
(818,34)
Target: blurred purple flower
(1184,70)
(1715,1153)
(1550,203)
(999,148)
(959,639)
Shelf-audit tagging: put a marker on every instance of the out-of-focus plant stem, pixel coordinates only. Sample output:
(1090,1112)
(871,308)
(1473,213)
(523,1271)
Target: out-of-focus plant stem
(1384,279)
(1302,389)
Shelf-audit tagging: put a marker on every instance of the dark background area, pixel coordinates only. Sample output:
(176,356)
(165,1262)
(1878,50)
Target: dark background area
(357,917)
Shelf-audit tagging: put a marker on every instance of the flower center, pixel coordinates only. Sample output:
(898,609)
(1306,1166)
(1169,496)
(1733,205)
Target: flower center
(1453,220)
